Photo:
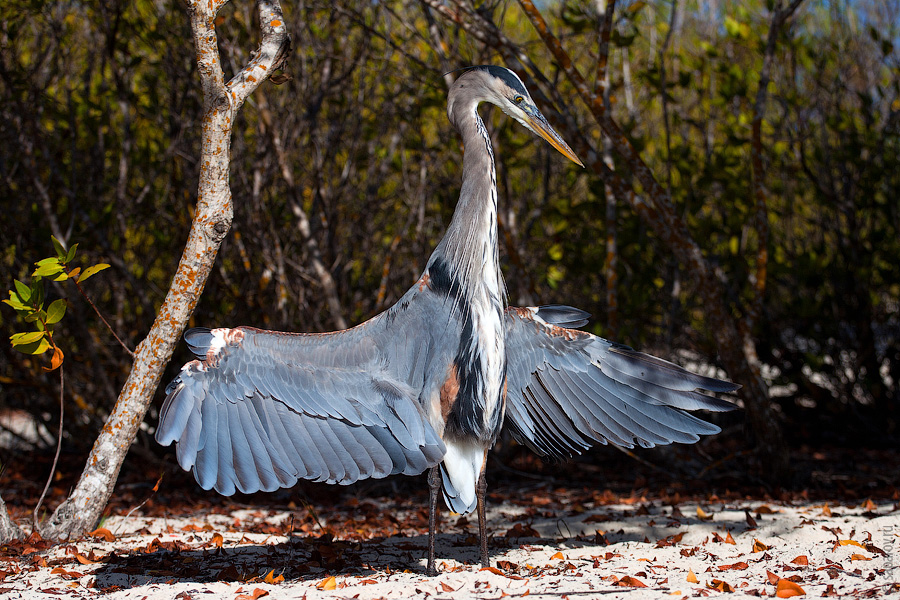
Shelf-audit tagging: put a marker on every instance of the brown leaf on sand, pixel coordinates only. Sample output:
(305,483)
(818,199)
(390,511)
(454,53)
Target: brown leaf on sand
(859,557)
(738,566)
(272,578)
(801,560)
(558,556)
(103,532)
(493,570)
(826,512)
(718,584)
(691,578)
(788,589)
(751,522)
(217,540)
(257,593)
(773,578)
(84,559)
(730,540)
(446,587)
(328,583)
(703,515)
(629,581)
(850,543)
(758,546)
(764,510)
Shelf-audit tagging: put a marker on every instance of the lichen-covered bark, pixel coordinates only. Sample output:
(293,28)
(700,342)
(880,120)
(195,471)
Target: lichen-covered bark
(8,528)
(81,511)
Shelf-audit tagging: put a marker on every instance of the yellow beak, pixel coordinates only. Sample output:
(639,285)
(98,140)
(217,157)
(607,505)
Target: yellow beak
(541,127)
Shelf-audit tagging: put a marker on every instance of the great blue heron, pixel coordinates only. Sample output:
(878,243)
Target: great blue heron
(429,383)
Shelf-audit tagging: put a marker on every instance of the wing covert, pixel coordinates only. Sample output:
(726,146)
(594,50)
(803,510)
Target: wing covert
(568,390)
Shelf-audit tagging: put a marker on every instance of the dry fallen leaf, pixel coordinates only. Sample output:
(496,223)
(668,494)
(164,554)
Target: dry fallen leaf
(257,593)
(773,578)
(217,540)
(869,505)
(493,570)
(826,512)
(718,584)
(84,559)
(558,556)
(787,589)
(758,546)
(272,578)
(764,510)
(730,540)
(859,557)
(691,578)
(446,587)
(801,560)
(703,515)
(738,566)
(850,543)
(329,583)
(104,533)
(629,581)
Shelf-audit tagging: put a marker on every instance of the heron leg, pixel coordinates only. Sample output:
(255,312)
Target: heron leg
(434,485)
(480,491)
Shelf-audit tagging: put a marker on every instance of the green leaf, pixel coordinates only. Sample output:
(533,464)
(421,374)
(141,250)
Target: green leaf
(29,337)
(47,261)
(16,304)
(71,253)
(48,270)
(37,293)
(23,290)
(56,311)
(38,347)
(58,246)
(92,270)
(61,276)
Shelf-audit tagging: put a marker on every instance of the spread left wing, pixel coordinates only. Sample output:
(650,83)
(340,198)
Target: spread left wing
(568,389)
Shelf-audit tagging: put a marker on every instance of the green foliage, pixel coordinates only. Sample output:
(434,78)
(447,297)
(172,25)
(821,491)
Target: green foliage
(28,301)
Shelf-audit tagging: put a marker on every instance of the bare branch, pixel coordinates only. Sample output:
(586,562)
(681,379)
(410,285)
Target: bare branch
(273,51)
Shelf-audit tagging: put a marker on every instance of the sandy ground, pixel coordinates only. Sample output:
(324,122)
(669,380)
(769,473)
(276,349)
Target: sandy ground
(639,550)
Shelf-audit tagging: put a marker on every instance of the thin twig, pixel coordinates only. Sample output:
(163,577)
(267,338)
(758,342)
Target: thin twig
(105,322)
(62,412)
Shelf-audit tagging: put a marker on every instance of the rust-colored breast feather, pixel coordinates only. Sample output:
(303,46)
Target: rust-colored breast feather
(449,391)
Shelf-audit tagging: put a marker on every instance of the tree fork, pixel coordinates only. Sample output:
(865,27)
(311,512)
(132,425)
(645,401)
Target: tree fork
(82,510)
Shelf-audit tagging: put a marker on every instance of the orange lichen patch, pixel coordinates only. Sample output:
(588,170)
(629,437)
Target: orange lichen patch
(449,391)
(276,23)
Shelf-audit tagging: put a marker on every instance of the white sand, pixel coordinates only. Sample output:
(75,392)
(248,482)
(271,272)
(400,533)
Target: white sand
(854,551)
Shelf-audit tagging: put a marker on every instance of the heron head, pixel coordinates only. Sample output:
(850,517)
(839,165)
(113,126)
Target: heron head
(503,88)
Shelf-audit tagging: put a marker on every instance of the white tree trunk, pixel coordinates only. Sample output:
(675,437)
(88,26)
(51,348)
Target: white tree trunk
(82,510)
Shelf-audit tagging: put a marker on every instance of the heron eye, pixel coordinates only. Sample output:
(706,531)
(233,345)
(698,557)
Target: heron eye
(519,99)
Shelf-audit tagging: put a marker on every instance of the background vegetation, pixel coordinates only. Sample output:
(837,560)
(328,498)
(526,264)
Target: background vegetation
(345,176)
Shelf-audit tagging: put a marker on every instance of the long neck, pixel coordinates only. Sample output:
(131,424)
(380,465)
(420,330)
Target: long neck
(469,248)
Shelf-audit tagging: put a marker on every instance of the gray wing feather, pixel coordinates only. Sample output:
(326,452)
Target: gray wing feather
(265,409)
(568,389)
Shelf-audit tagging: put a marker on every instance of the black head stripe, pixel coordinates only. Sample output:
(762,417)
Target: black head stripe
(508,77)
